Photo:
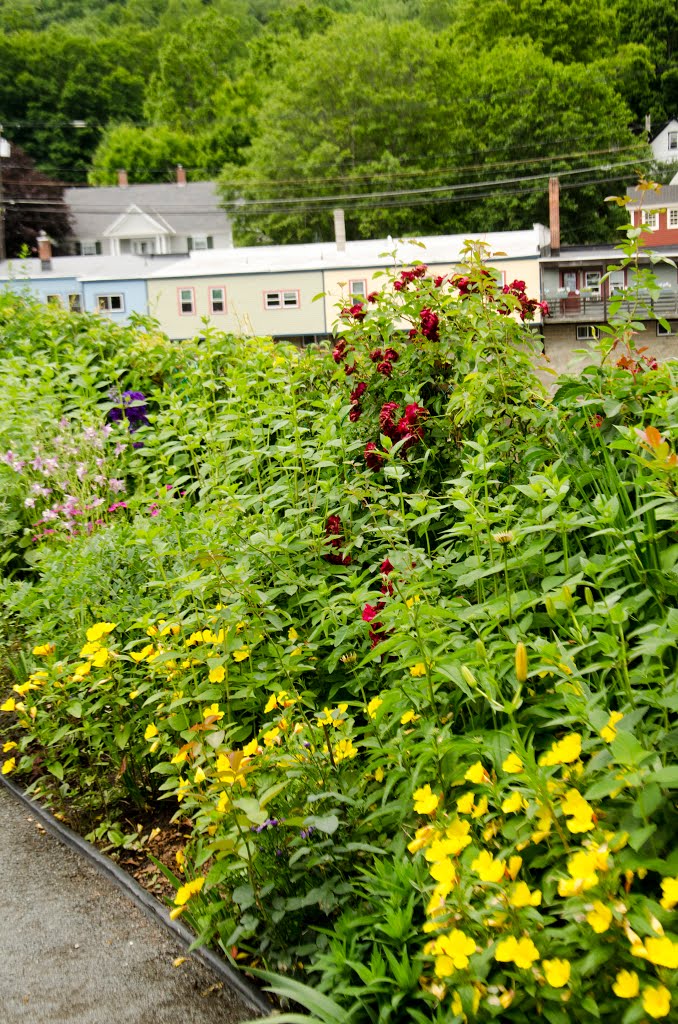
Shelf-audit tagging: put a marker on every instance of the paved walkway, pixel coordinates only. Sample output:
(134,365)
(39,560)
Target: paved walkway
(75,950)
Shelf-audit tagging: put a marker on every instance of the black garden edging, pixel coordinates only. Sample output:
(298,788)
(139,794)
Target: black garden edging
(142,899)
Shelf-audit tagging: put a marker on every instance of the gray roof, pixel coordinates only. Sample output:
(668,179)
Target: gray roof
(576,254)
(84,268)
(654,200)
(363,254)
(191,209)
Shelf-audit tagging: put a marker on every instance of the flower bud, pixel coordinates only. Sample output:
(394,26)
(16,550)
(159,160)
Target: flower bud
(550,607)
(469,677)
(589,597)
(521,662)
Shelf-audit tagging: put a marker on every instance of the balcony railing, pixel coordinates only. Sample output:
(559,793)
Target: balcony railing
(596,308)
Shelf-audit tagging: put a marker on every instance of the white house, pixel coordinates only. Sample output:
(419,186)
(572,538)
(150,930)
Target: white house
(665,144)
(148,220)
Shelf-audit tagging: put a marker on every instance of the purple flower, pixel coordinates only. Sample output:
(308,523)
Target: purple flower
(81,470)
(132,407)
(116,485)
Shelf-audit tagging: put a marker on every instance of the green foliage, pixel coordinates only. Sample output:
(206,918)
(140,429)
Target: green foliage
(391,626)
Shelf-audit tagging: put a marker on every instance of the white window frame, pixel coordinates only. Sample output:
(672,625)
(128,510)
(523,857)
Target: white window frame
(182,301)
(616,281)
(358,288)
(217,288)
(663,333)
(672,217)
(650,219)
(285,298)
(586,332)
(672,141)
(89,248)
(107,303)
(595,287)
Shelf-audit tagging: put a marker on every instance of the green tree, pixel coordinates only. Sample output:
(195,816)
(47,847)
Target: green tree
(399,107)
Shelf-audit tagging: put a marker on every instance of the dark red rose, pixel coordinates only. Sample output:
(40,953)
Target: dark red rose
(387,421)
(358,391)
(376,355)
(386,368)
(349,370)
(437,281)
(373,457)
(370,612)
(386,567)
(357,312)
(338,354)
(355,413)
(373,296)
(391,355)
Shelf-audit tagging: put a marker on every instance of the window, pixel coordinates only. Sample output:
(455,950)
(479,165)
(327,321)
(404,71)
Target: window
(592,281)
(110,303)
(570,281)
(90,248)
(281,300)
(672,218)
(586,332)
(357,289)
(616,281)
(75,303)
(650,219)
(53,300)
(672,328)
(186,301)
(673,140)
(217,300)
(200,242)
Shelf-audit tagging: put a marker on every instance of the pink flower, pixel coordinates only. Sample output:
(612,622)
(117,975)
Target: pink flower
(370,611)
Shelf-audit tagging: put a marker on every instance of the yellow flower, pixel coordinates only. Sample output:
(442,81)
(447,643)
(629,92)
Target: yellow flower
(218,674)
(185,892)
(608,732)
(241,654)
(213,712)
(522,897)
(374,706)
(9,765)
(670,891)
(513,867)
(513,803)
(90,649)
(521,952)
(100,657)
(452,952)
(557,972)
(425,801)
(9,745)
(465,803)
(43,650)
(600,917)
(408,717)
(579,812)
(292,635)
(199,775)
(418,670)
(100,629)
(151,731)
(421,838)
(179,757)
(445,872)
(476,774)
(271,736)
(581,867)
(656,1001)
(487,868)
(344,749)
(183,785)
(379,774)
(143,653)
(662,952)
(9,705)
(480,808)
(412,601)
(562,751)
(512,765)
(626,985)
(224,802)
(250,749)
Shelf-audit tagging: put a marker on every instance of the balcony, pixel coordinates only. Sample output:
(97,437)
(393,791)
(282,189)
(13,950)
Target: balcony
(592,308)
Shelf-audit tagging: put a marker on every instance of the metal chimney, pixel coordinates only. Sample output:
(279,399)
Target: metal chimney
(340,230)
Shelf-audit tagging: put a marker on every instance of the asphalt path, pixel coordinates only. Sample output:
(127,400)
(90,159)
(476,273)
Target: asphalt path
(75,950)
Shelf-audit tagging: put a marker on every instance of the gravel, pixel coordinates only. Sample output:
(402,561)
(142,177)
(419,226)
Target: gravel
(75,950)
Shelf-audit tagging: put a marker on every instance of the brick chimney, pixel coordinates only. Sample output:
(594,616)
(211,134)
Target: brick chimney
(554,215)
(181,176)
(340,230)
(44,251)
(122,178)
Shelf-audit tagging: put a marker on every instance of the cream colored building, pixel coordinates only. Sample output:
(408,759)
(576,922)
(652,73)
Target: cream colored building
(297,291)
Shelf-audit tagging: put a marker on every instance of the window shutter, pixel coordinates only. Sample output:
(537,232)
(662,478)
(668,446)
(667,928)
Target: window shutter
(189,241)
(97,246)
(210,242)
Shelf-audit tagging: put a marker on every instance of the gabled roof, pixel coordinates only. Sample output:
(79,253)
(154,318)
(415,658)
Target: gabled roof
(134,223)
(191,209)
